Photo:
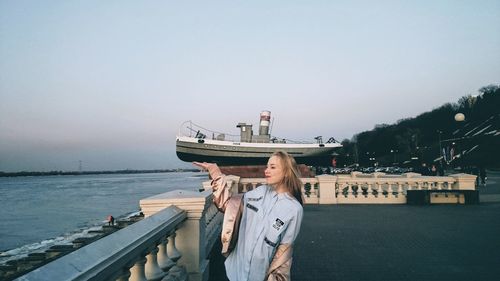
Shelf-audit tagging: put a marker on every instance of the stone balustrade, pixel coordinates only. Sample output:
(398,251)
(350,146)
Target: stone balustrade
(376,188)
(172,242)
(137,252)
(197,235)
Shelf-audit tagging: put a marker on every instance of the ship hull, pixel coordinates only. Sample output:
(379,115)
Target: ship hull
(226,153)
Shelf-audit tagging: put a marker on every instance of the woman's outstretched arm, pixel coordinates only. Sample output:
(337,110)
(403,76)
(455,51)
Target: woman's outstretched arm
(221,191)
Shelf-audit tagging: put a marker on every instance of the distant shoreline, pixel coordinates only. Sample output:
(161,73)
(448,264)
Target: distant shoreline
(77,173)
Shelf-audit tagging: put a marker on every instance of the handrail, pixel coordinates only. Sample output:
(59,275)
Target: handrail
(109,257)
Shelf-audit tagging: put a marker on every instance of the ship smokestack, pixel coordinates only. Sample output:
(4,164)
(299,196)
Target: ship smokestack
(265,116)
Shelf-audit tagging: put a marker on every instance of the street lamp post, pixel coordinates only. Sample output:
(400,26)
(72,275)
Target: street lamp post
(393,152)
(460,118)
(440,146)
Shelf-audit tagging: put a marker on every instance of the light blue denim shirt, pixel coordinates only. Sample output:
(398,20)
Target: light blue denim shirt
(269,219)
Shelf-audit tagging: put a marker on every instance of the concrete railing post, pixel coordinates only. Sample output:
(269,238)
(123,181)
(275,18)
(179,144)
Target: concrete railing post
(327,189)
(190,238)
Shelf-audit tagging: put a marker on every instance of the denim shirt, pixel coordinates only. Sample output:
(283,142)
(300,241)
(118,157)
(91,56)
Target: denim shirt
(268,220)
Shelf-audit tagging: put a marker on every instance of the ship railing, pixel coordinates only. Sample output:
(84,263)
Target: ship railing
(172,242)
(375,188)
(190,129)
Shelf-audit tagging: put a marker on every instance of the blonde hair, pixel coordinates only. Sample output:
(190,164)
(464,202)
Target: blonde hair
(291,179)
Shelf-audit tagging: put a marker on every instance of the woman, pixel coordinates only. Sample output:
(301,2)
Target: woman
(265,221)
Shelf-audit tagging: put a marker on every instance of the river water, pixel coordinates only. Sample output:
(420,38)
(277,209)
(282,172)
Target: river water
(38,212)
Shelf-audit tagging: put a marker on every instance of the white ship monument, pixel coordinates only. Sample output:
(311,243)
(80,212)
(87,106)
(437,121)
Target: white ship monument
(195,143)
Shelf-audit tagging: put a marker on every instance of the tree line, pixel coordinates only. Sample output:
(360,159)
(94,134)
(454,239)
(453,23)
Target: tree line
(425,138)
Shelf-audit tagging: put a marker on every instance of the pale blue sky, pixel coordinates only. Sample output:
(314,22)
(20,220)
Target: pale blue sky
(109,82)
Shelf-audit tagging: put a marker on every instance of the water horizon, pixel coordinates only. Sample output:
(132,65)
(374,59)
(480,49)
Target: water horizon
(41,211)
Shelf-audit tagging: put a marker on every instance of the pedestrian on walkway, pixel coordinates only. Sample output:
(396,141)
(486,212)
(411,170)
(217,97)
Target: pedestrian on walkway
(440,168)
(482,174)
(434,170)
(261,225)
(424,170)
(111,220)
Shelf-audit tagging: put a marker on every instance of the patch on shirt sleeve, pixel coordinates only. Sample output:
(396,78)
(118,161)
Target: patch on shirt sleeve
(278,224)
(252,207)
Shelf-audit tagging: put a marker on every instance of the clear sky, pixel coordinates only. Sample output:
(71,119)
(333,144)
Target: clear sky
(109,82)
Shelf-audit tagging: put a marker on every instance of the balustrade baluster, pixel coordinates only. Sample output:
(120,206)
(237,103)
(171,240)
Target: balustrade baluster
(369,190)
(380,191)
(439,185)
(375,190)
(137,272)
(173,253)
(153,270)
(124,275)
(164,260)
(390,190)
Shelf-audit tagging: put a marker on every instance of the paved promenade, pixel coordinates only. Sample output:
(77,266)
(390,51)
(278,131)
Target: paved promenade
(399,242)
